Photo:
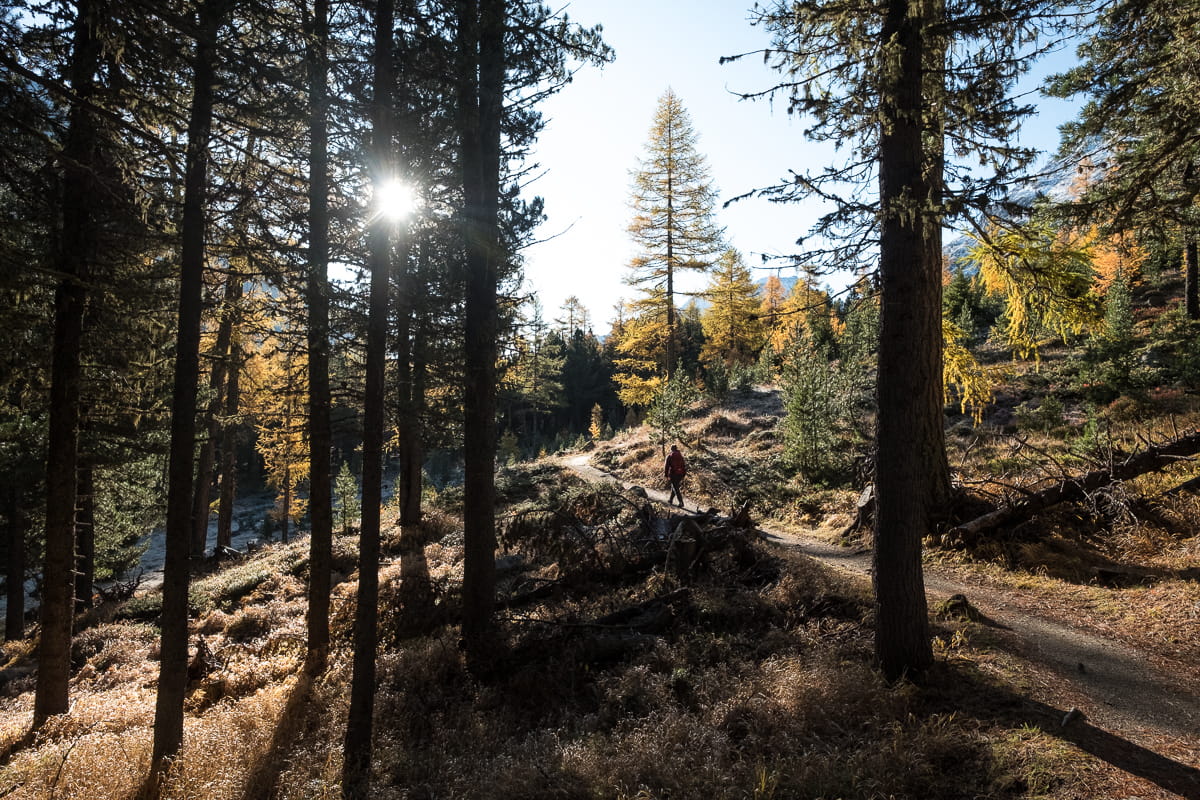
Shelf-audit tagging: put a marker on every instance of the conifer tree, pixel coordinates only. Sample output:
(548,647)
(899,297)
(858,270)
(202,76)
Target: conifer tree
(1139,79)
(575,317)
(673,228)
(357,744)
(172,679)
(1046,280)
(317,293)
(76,252)
(732,331)
(894,81)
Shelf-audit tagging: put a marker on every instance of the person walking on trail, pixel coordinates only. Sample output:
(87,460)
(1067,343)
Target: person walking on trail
(675,469)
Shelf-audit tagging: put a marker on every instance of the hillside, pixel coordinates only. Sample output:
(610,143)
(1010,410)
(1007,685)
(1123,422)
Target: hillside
(747,674)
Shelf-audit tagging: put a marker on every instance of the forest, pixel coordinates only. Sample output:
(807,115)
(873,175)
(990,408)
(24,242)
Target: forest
(262,300)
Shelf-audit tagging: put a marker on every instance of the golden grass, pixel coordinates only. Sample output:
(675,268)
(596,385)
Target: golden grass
(762,687)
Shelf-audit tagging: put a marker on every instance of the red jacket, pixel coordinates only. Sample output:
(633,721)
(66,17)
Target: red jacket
(675,466)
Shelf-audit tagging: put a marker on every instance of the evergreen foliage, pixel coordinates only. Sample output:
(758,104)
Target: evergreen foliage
(1138,76)
(345,498)
(666,411)
(816,398)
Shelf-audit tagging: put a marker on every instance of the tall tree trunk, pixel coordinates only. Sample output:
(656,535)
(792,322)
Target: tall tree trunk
(228,487)
(481,35)
(415,589)
(14,576)
(78,158)
(216,387)
(172,674)
(85,538)
(1191,298)
(356,761)
(934,90)
(909,445)
(320,435)
(408,418)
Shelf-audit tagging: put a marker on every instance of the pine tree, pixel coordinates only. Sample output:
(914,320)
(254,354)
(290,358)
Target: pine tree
(732,331)
(317,300)
(172,679)
(673,227)
(895,80)
(345,493)
(1139,78)
(357,744)
(73,263)
(817,410)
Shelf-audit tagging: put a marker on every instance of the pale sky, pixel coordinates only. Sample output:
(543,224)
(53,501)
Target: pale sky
(598,127)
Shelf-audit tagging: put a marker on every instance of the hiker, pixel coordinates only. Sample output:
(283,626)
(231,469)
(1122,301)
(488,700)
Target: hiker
(675,469)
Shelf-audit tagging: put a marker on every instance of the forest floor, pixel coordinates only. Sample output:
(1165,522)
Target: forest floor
(749,676)
(1116,692)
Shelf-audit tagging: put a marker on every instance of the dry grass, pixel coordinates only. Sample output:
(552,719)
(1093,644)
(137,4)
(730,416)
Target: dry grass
(761,684)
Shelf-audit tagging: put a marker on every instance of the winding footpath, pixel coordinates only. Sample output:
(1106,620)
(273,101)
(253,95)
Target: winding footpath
(1111,700)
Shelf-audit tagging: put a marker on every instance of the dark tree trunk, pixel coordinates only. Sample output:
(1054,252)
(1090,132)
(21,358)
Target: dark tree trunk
(1191,298)
(320,436)
(172,675)
(356,761)
(79,162)
(909,448)
(482,51)
(408,419)
(85,539)
(415,596)
(216,385)
(228,487)
(14,576)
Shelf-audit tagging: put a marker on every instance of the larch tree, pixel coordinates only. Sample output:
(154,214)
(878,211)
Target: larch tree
(733,333)
(1046,279)
(673,229)
(574,317)
(277,378)
(895,82)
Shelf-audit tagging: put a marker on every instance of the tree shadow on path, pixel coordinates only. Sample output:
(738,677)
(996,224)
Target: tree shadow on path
(963,690)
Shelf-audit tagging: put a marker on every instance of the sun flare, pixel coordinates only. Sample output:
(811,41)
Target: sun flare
(395,200)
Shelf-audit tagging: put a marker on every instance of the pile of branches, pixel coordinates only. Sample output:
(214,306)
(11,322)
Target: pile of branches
(1075,488)
(601,533)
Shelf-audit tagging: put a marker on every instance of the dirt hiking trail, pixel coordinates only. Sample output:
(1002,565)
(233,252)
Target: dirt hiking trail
(1127,707)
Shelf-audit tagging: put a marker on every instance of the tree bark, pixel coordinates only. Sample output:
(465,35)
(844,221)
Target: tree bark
(76,248)
(1191,298)
(14,577)
(216,385)
(85,539)
(482,51)
(320,435)
(356,763)
(909,447)
(228,487)
(172,675)
(408,420)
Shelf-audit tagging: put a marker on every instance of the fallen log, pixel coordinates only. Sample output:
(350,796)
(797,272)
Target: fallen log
(1148,460)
